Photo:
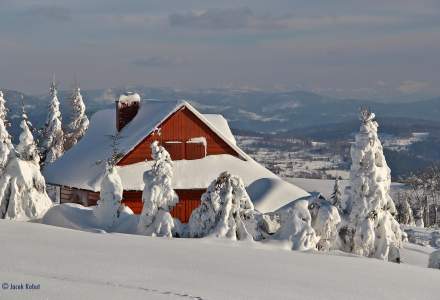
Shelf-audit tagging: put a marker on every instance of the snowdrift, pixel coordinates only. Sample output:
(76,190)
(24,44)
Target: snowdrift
(80,265)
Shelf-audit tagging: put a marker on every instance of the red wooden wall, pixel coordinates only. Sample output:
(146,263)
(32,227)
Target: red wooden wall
(180,126)
(188,200)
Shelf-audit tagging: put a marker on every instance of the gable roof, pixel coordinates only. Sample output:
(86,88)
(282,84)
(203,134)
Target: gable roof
(82,165)
(152,113)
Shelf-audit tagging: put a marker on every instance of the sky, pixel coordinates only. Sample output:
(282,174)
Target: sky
(376,49)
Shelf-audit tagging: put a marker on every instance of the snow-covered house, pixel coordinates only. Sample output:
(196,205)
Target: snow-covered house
(201,145)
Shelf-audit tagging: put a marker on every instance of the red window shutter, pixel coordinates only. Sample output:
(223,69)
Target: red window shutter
(195,149)
(176,149)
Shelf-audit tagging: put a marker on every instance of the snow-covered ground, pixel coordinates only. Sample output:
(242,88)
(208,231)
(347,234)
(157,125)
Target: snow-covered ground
(70,264)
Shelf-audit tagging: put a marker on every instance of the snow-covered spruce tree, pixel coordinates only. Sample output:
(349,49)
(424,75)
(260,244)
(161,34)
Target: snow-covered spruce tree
(336,197)
(158,195)
(370,208)
(224,210)
(109,205)
(53,136)
(3,109)
(27,148)
(404,210)
(22,187)
(79,123)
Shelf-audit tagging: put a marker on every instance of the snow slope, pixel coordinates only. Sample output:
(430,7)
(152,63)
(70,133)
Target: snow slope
(71,264)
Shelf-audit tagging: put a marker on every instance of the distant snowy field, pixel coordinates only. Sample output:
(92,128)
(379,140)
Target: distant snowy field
(70,264)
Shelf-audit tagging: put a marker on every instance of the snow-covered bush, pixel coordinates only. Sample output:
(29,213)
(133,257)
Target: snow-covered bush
(158,195)
(434,260)
(109,205)
(225,211)
(296,227)
(325,221)
(370,221)
(79,123)
(53,143)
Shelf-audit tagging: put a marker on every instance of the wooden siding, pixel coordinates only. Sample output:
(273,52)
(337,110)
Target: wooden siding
(188,200)
(180,126)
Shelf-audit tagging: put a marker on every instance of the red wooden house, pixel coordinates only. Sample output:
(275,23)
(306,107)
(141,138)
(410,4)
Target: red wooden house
(201,146)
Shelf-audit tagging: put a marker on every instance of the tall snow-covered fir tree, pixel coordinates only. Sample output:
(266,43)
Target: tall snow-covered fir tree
(369,205)
(223,211)
(158,195)
(5,138)
(336,197)
(79,122)
(27,148)
(53,137)
(22,187)
(3,109)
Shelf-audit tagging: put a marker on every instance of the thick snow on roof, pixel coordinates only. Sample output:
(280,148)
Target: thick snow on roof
(221,124)
(267,191)
(83,165)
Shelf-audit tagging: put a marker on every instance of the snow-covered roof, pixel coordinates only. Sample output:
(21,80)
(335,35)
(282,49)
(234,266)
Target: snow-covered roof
(83,165)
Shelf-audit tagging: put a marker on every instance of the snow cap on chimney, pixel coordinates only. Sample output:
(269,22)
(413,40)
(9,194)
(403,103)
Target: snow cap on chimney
(127,107)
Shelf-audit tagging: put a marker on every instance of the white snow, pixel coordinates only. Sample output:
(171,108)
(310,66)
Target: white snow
(72,264)
(129,97)
(158,195)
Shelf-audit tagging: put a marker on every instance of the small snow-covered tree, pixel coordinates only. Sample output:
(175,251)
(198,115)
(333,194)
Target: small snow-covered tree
(404,210)
(5,138)
(79,123)
(53,136)
(224,210)
(22,187)
(370,208)
(296,227)
(336,197)
(27,148)
(109,205)
(158,195)
(325,220)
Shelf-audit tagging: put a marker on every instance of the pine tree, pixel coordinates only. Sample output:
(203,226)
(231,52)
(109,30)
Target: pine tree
(79,123)
(27,148)
(3,109)
(158,195)
(5,139)
(53,132)
(223,211)
(370,206)
(109,206)
(22,187)
(336,197)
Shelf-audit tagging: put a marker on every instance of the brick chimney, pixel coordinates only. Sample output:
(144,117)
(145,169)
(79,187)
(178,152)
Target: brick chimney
(127,107)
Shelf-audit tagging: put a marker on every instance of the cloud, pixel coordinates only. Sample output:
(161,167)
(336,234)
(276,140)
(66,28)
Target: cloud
(231,18)
(244,17)
(49,12)
(410,86)
(158,61)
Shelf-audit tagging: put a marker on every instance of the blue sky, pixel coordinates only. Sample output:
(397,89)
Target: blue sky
(363,49)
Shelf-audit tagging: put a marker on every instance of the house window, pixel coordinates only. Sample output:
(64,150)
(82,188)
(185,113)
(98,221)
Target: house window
(196,148)
(176,149)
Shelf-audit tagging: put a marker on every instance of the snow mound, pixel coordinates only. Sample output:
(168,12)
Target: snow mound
(78,217)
